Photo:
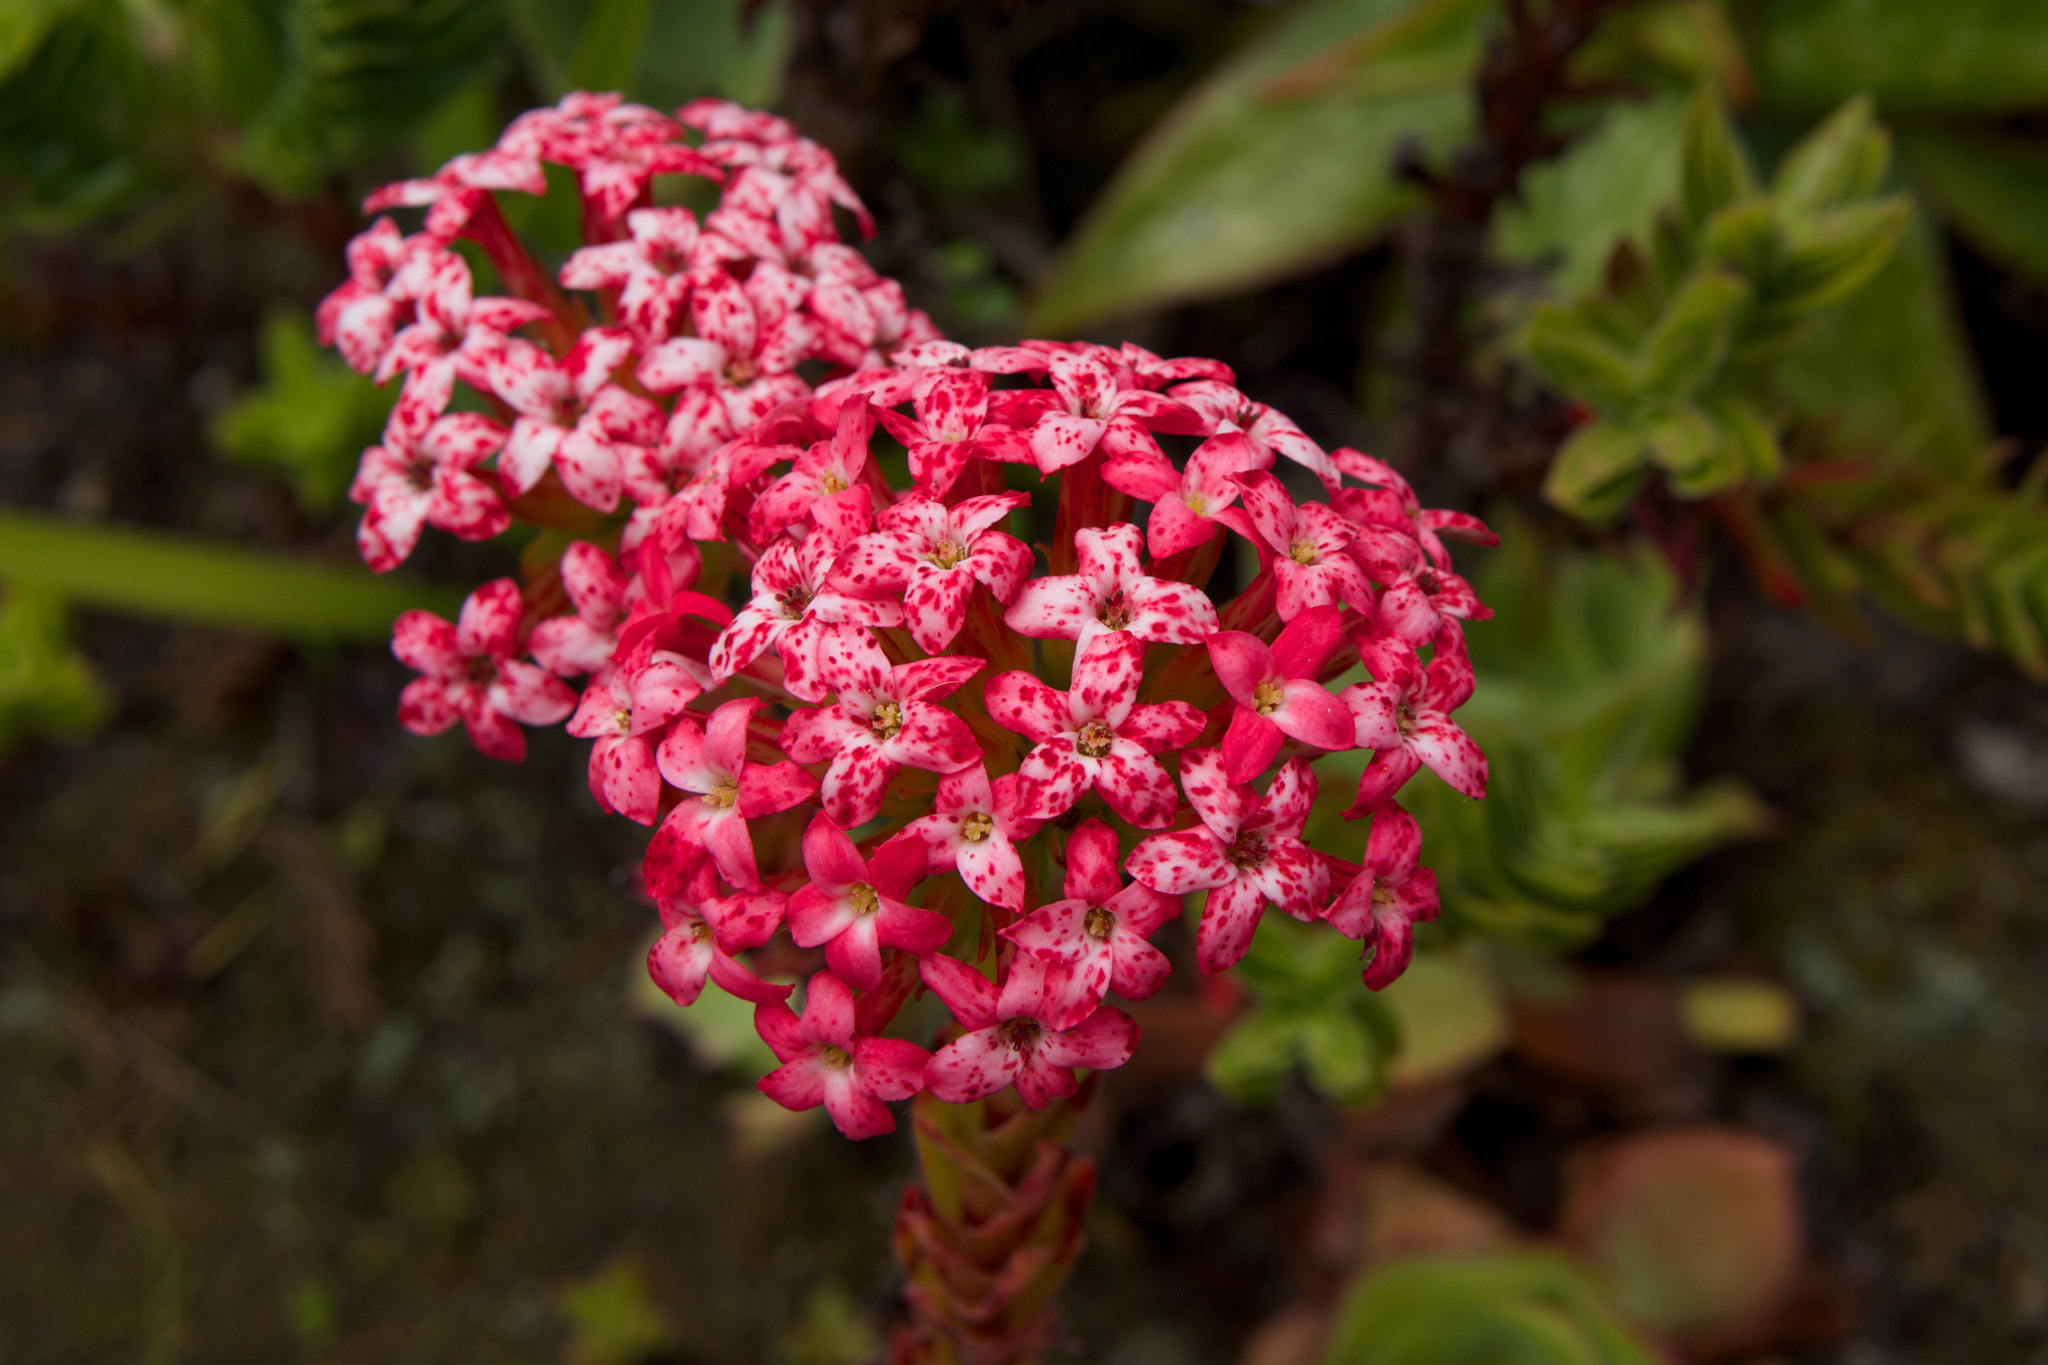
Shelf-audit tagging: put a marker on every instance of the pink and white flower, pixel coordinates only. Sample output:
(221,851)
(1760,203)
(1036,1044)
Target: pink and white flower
(1096,939)
(472,673)
(701,932)
(1404,717)
(934,555)
(1388,897)
(974,831)
(625,715)
(427,478)
(1096,736)
(1111,592)
(824,1062)
(854,908)
(1246,853)
(722,790)
(1278,692)
(1013,1036)
(1309,564)
(571,416)
(885,718)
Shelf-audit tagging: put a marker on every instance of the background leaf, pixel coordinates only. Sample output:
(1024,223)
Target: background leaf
(1283,158)
(1994,190)
(1955,54)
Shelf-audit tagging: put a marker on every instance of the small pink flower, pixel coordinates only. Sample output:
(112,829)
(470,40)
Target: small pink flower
(411,481)
(800,601)
(625,714)
(700,934)
(1188,505)
(571,415)
(472,674)
(1095,939)
(823,1062)
(1223,409)
(828,486)
(723,790)
(935,554)
(974,832)
(1403,716)
(1389,897)
(1100,404)
(1246,852)
(452,337)
(1111,593)
(1278,692)
(1095,736)
(650,269)
(1013,1037)
(853,908)
(952,426)
(1309,563)
(362,313)
(885,718)
(572,646)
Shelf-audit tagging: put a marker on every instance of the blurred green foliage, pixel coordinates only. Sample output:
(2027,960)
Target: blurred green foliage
(1509,1308)
(309,420)
(1672,356)
(119,107)
(1307,1013)
(1283,159)
(46,687)
(1590,677)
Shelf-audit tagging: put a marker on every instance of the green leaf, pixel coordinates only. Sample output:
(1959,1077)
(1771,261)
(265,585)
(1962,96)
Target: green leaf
(1597,471)
(1254,1059)
(1607,187)
(1952,55)
(1448,1015)
(1844,158)
(311,418)
(358,73)
(1283,159)
(1830,256)
(46,687)
(1714,169)
(610,43)
(24,24)
(1684,351)
(1744,235)
(1749,433)
(1575,357)
(1889,371)
(1995,191)
(1510,1308)
(148,573)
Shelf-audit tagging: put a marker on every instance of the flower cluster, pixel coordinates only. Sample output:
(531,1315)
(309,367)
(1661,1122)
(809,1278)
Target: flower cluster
(910,742)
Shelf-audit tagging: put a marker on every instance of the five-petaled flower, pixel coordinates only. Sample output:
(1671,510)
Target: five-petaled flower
(1111,593)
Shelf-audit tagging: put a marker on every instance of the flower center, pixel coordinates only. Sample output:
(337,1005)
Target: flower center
(977,826)
(623,718)
(1093,740)
(1429,581)
(1246,418)
(835,1058)
(481,670)
(888,719)
(1098,923)
(1248,852)
(741,372)
(1404,719)
(1303,552)
(725,795)
(832,483)
(947,554)
(1019,1033)
(1267,698)
(1196,502)
(1115,611)
(794,602)
(864,899)
(700,931)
